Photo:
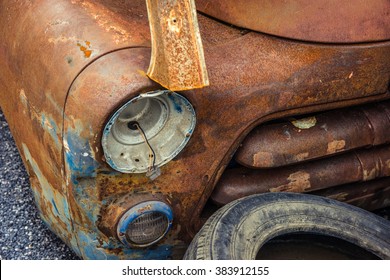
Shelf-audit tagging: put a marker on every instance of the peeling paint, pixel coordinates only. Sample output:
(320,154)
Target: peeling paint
(298,182)
(335,146)
(53,205)
(85,48)
(305,123)
(109,249)
(49,125)
(77,164)
(63,39)
(263,159)
(370,174)
(301,156)
(57,107)
(23,98)
(177,103)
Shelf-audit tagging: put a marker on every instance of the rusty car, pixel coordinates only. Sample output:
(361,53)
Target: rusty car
(160,129)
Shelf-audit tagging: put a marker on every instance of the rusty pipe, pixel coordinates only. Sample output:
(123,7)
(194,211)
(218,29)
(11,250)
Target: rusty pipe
(326,134)
(370,195)
(357,166)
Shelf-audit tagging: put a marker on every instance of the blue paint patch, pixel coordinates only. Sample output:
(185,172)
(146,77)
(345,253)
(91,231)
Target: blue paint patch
(49,125)
(88,247)
(176,102)
(79,157)
(66,208)
(49,196)
(86,195)
(91,249)
(55,206)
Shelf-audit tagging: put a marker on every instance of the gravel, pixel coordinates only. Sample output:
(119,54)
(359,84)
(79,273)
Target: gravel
(23,235)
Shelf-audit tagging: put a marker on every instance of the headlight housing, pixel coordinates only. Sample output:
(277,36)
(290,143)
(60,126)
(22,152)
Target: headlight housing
(161,121)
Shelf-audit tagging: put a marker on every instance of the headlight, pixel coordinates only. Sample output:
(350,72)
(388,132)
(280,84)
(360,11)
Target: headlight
(145,224)
(148,131)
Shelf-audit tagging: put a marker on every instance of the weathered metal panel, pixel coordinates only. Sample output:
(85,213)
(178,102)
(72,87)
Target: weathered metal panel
(307,20)
(285,143)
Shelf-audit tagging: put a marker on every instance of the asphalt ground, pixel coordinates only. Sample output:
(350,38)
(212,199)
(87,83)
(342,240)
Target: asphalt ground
(23,236)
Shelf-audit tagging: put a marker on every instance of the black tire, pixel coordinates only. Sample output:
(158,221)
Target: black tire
(239,229)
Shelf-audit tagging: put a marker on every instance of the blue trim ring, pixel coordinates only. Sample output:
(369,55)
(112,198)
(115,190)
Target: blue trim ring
(139,210)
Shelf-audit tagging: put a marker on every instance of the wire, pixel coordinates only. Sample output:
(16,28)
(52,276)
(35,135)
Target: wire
(152,154)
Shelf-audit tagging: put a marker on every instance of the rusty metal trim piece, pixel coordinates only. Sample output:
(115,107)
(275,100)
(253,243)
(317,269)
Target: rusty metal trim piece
(177,61)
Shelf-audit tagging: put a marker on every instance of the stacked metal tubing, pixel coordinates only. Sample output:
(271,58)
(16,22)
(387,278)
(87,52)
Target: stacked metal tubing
(305,156)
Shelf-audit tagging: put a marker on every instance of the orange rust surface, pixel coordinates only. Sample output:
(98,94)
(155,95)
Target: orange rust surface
(85,49)
(177,61)
(307,20)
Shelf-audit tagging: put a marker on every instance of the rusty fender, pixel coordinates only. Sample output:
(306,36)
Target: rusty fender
(369,195)
(362,165)
(317,136)
(43,47)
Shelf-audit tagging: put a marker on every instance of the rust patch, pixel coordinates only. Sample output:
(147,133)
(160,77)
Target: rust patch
(335,146)
(62,39)
(86,49)
(301,156)
(370,174)
(298,182)
(263,159)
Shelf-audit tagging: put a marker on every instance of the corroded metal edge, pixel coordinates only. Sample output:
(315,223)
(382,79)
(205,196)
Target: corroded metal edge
(177,61)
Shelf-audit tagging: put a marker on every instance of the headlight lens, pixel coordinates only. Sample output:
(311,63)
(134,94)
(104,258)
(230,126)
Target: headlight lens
(145,224)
